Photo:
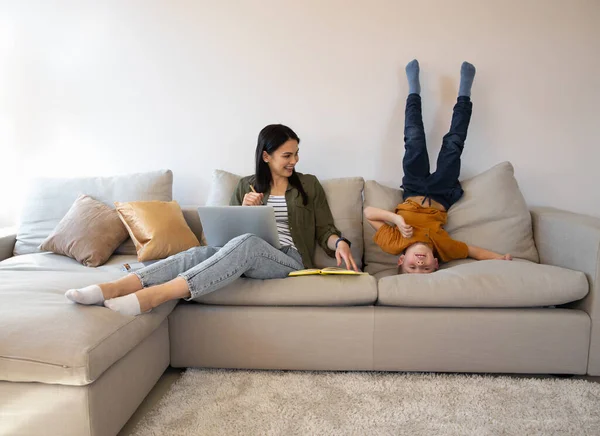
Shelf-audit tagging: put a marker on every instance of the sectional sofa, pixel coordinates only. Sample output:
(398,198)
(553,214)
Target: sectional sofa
(67,369)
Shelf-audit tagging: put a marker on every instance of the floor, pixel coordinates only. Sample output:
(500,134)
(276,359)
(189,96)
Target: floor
(171,375)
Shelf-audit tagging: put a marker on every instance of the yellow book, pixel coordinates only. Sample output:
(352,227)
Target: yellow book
(330,270)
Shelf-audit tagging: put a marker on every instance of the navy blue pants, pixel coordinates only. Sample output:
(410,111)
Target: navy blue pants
(443,185)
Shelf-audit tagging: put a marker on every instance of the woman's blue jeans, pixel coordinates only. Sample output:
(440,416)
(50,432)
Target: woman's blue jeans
(207,269)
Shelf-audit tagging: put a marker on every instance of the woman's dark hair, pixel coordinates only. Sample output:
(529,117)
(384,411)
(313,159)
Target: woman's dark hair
(270,139)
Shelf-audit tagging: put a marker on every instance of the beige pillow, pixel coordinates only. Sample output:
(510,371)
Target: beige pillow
(492,214)
(377,195)
(221,188)
(344,197)
(90,232)
(157,228)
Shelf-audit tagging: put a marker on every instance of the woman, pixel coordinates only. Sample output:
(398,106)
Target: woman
(302,215)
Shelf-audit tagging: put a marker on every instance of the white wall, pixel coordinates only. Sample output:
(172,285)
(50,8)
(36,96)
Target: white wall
(95,88)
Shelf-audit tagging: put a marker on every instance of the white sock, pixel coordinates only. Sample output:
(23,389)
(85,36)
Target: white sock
(127,305)
(89,295)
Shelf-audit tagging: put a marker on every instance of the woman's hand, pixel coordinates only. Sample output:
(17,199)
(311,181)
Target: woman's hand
(405,229)
(253,199)
(343,252)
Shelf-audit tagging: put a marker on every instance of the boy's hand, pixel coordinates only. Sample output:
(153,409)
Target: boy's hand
(505,257)
(405,229)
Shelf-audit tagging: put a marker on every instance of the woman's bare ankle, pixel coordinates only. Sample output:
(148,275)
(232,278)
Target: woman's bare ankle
(109,290)
(119,288)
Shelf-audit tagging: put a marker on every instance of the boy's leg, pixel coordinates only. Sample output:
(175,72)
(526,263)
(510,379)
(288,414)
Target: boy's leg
(444,182)
(416,161)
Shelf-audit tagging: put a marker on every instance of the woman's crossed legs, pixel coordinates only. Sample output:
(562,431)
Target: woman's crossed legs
(191,274)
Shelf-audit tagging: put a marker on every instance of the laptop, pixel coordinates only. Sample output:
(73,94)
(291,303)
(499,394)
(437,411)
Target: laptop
(223,223)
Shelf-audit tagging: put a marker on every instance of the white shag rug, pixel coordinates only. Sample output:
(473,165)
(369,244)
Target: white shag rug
(229,402)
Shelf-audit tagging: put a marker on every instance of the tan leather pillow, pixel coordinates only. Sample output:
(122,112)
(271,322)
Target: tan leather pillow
(90,232)
(157,228)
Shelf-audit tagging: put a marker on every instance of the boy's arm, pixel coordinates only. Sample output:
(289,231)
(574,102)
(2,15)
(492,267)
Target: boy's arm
(483,254)
(378,217)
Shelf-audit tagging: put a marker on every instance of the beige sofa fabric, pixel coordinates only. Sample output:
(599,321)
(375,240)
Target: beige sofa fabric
(49,199)
(8,237)
(190,213)
(90,232)
(377,195)
(221,189)
(97,409)
(303,338)
(492,214)
(297,291)
(344,196)
(48,262)
(529,341)
(572,241)
(46,338)
(345,201)
(490,283)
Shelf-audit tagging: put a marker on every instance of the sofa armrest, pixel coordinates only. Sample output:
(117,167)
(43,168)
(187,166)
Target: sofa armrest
(8,237)
(570,240)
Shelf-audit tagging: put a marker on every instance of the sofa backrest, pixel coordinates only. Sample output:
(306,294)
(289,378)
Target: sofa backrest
(344,196)
(49,199)
(190,213)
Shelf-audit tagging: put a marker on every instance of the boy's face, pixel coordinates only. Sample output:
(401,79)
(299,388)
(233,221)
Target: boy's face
(418,259)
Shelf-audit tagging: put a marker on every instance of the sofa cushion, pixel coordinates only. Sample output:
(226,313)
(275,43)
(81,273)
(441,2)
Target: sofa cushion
(385,198)
(297,291)
(344,196)
(90,232)
(490,283)
(492,214)
(222,185)
(45,338)
(158,229)
(49,199)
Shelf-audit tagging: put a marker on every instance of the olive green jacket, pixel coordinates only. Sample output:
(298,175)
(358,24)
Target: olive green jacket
(309,223)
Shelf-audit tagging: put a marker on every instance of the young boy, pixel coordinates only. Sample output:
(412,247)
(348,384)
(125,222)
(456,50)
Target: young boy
(417,232)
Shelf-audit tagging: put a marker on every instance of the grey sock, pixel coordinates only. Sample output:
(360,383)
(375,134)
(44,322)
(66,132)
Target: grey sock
(467,74)
(412,73)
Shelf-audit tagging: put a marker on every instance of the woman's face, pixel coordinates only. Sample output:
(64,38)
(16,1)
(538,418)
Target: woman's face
(283,160)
